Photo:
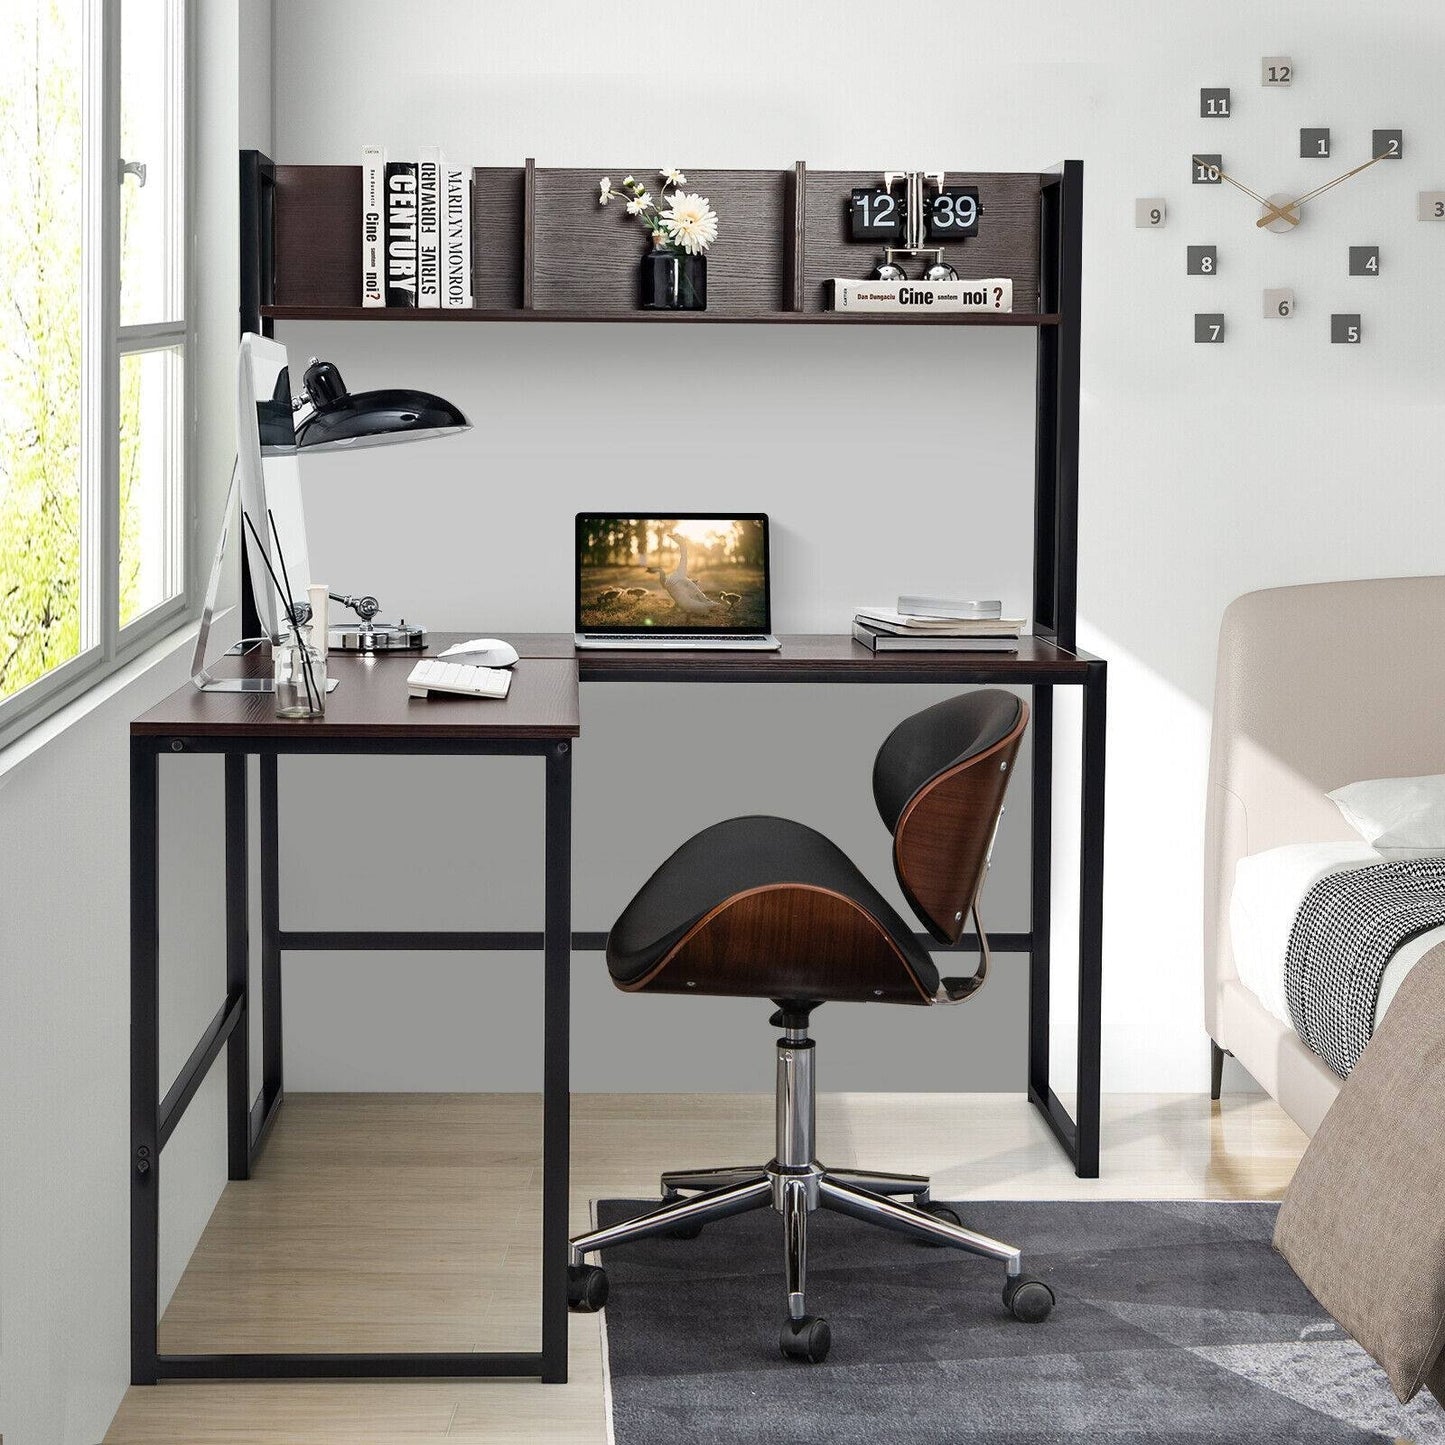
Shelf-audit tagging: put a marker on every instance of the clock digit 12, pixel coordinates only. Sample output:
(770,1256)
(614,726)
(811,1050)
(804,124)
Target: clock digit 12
(875,215)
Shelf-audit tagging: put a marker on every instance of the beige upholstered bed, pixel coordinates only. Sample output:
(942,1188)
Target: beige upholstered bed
(1317,686)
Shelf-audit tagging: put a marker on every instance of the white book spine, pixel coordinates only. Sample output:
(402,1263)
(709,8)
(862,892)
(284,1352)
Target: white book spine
(918,298)
(428,227)
(373,226)
(457,247)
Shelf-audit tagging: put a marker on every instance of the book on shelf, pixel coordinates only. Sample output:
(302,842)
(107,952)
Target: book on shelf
(401,233)
(373,225)
(428,227)
(884,619)
(457,238)
(948,607)
(877,640)
(920,298)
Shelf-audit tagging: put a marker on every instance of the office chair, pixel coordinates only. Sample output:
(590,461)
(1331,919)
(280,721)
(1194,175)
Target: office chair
(767,908)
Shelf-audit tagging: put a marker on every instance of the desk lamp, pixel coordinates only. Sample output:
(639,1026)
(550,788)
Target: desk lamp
(327,417)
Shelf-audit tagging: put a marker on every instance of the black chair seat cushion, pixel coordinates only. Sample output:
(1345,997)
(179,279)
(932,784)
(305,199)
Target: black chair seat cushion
(734,857)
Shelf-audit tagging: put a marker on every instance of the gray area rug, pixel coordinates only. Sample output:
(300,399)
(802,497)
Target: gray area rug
(1175,1323)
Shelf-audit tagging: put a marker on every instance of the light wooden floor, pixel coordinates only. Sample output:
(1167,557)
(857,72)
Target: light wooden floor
(409,1222)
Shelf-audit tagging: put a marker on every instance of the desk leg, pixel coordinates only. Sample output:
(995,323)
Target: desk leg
(238,969)
(1041,838)
(1091,920)
(272,1082)
(556,1088)
(145,1153)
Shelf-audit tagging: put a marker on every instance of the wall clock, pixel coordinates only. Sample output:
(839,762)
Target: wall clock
(1284,213)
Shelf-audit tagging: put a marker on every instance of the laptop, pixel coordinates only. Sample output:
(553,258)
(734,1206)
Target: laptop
(690,581)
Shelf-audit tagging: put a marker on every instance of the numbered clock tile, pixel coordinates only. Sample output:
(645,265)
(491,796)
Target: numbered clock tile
(1202,260)
(1209,326)
(1431,206)
(1345,328)
(1387,143)
(1276,70)
(875,215)
(1314,144)
(952,213)
(1205,169)
(1214,103)
(1150,211)
(1364,260)
(1279,303)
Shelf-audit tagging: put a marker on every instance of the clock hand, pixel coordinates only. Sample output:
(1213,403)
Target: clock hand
(1328,186)
(1253,195)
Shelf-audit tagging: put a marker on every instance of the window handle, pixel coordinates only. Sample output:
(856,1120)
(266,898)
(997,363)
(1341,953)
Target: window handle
(133,168)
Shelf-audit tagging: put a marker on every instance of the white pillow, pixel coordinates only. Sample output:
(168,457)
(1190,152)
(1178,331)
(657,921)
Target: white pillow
(1396,812)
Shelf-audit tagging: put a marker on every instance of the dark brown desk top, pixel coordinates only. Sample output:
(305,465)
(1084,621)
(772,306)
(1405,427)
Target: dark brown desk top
(372,702)
(805,657)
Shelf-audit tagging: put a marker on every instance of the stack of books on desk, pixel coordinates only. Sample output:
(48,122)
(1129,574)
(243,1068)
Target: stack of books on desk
(937,624)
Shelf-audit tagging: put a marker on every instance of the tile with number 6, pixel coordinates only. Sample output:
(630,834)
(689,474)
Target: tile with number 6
(1279,303)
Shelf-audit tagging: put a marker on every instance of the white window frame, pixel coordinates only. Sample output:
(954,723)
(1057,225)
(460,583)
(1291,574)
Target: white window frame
(106,646)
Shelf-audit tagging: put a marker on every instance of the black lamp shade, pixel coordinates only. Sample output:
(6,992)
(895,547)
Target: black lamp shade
(379,418)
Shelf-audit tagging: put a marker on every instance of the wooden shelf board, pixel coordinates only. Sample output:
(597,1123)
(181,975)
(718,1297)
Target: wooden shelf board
(764,318)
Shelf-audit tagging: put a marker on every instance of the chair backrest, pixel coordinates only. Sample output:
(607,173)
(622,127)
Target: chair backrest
(939,782)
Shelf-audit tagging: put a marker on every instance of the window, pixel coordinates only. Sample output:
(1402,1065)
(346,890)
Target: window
(93,345)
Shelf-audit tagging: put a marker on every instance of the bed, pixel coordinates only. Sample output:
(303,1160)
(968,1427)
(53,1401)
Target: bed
(1317,686)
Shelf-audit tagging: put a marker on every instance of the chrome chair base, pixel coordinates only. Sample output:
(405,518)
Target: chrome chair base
(795,1184)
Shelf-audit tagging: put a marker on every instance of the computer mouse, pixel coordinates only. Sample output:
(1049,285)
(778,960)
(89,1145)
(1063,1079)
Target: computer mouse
(488,652)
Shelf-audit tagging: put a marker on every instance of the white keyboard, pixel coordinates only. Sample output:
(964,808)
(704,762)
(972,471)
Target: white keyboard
(432,675)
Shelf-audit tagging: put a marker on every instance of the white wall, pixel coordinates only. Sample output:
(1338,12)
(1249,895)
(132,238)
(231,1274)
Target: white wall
(1205,472)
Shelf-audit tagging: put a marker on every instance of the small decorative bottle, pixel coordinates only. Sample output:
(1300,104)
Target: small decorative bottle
(300,675)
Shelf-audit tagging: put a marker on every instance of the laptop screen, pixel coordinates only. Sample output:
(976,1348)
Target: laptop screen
(685,573)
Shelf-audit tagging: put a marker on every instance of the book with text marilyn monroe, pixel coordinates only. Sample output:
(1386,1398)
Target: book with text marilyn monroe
(430,186)
(401,233)
(373,225)
(878,641)
(457,238)
(917,298)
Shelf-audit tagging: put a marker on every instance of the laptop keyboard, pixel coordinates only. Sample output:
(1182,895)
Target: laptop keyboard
(662,637)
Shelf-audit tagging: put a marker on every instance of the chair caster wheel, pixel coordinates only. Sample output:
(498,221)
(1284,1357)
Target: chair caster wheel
(806,1339)
(587,1288)
(1029,1300)
(938,1211)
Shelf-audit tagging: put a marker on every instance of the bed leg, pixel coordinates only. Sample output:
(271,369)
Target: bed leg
(1216,1069)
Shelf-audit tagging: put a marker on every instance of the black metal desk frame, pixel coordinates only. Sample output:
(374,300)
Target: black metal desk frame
(248,1123)
(1056,461)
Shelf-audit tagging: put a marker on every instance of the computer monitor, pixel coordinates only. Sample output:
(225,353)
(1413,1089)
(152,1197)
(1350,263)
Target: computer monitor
(270,477)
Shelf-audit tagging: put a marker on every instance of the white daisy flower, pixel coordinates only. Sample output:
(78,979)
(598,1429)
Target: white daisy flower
(604,191)
(691,222)
(673,176)
(629,181)
(639,204)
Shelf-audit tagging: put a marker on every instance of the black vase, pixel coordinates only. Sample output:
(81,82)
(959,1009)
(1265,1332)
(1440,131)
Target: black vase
(673,281)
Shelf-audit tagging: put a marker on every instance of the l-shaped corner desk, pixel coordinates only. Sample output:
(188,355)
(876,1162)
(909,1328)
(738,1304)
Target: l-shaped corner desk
(369,713)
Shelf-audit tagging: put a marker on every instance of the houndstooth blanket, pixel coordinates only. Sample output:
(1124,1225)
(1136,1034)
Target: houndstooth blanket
(1345,933)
